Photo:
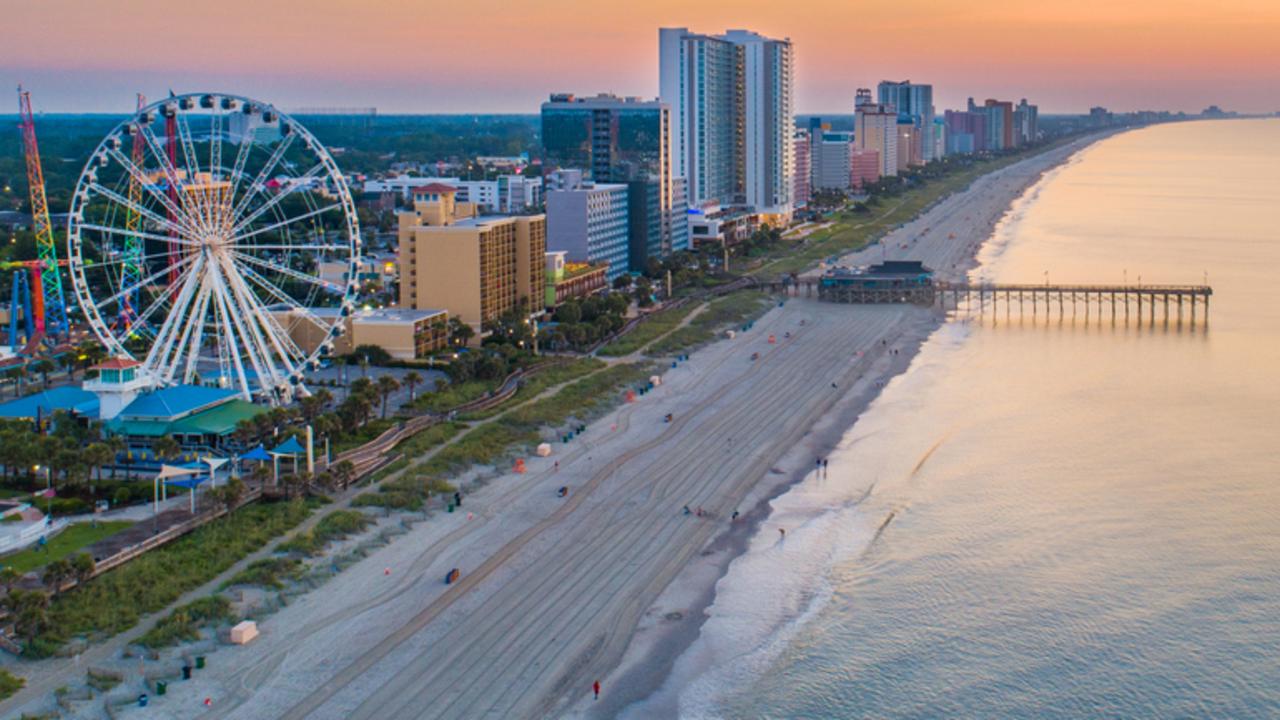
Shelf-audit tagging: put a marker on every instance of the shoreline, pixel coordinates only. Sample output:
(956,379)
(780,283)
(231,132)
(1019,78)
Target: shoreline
(376,614)
(642,676)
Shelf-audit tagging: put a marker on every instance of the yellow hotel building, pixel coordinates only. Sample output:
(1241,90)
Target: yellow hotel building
(477,268)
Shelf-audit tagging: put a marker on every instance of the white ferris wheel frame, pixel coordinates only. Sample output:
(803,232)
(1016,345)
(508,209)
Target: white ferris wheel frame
(216,273)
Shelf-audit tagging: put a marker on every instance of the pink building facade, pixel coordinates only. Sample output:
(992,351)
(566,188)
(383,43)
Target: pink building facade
(864,167)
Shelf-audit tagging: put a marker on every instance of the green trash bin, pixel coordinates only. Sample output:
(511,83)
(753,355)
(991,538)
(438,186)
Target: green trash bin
(450,507)
(162,687)
(199,662)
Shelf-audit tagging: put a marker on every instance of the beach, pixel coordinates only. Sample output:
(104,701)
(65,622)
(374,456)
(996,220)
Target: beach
(610,582)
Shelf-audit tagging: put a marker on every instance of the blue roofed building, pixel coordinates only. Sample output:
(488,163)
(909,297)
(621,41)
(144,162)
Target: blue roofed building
(194,415)
(43,404)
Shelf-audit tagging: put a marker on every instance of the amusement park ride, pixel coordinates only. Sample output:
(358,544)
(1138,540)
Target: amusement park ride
(193,240)
(37,284)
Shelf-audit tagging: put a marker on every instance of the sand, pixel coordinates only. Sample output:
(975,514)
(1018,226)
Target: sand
(609,583)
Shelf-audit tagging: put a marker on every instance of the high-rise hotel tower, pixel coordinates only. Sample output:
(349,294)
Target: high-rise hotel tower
(732,108)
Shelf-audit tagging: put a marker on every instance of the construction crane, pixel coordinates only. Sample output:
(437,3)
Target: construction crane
(50,305)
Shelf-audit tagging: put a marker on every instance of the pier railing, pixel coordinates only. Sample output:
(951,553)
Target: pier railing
(1169,301)
(1129,301)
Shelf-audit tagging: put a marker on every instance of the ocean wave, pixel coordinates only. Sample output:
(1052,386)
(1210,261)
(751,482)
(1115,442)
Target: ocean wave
(768,596)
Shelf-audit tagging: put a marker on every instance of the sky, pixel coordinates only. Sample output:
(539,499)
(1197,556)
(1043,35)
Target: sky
(506,56)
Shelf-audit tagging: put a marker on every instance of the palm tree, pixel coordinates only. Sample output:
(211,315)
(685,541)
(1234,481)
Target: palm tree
(386,386)
(166,448)
(345,472)
(18,373)
(55,574)
(229,494)
(44,366)
(314,404)
(81,566)
(411,380)
(28,608)
(95,456)
(8,578)
(116,445)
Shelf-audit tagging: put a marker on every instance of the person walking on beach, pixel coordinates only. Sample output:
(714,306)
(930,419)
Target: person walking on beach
(782,533)
(457,499)
(596,687)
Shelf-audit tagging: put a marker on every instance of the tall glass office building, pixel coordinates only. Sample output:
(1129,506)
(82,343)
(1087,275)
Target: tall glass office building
(620,140)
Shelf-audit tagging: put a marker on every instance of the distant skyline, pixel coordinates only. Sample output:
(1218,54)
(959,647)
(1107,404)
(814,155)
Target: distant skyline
(451,57)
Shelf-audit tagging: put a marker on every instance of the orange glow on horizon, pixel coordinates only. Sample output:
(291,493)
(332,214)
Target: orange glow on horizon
(438,56)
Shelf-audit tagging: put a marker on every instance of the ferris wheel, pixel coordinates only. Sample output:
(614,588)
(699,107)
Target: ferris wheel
(214,239)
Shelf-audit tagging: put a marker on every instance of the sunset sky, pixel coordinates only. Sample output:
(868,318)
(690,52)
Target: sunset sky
(449,56)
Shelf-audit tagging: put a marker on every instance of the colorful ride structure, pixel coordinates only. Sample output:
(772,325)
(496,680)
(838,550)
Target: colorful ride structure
(47,307)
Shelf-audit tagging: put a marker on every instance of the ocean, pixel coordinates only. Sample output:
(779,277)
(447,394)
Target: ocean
(1047,518)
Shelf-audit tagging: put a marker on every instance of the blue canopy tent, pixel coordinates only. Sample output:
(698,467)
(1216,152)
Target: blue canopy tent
(184,476)
(292,448)
(258,453)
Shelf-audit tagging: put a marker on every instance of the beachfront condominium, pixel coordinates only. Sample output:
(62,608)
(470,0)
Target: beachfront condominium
(913,101)
(588,221)
(803,168)
(476,267)
(998,123)
(1026,122)
(832,155)
(876,129)
(621,140)
(731,99)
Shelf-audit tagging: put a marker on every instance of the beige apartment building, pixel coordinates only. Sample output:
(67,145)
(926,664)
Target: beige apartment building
(476,267)
(406,334)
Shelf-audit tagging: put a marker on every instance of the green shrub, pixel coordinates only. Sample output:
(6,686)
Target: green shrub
(334,526)
(654,326)
(184,623)
(114,601)
(10,684)
(68,506)
(268,573)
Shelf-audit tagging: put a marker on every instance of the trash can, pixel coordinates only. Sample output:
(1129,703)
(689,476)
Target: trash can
(199,662)
(186,672)
(162,687)
(142,700)
(450,507)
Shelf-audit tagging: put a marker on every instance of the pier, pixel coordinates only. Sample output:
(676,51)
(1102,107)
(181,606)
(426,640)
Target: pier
(1124,302)
(1118,302)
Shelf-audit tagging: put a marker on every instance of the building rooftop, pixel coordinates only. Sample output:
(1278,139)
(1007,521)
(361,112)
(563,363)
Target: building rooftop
(44,403)
(116,363)
(573,270)
(175,402)
(397,315)
(218,420)
(434,188)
